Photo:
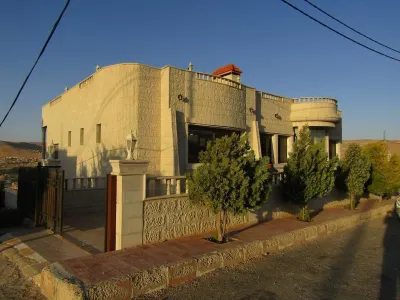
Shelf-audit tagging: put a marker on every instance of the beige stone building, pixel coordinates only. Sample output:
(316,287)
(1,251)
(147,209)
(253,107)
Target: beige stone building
(173,113)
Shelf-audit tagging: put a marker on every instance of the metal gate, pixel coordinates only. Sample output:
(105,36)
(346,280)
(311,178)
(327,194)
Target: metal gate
(40,196)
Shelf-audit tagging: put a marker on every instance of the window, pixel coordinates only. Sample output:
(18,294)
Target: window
(318,136)
(69,138)
(98,133)
(199,137)
(282,149)
(266,146)
(82,136)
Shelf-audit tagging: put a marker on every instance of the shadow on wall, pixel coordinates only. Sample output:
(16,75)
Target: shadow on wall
(277,207)
(97,165)
(100,162)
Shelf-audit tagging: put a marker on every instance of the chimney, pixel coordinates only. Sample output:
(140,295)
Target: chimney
(98,68)
(230,71)
(190,67)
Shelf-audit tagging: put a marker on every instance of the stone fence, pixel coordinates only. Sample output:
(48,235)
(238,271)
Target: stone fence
(173,216)
(143,220)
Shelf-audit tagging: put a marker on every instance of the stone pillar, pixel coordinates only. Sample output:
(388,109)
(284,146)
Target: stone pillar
(131,192)
(338,149)
(327,143)
(255,140)
(289,145)
(44,129)
(275,149)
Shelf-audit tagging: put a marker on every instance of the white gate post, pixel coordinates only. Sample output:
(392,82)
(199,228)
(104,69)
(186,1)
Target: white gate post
(131,191)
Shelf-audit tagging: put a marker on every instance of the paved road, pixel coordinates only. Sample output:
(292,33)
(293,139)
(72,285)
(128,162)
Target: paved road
(358,264)
(13,286)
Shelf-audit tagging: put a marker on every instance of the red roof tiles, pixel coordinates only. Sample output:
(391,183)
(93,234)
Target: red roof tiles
(231,68)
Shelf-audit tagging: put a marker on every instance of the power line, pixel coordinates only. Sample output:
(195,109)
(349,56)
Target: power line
(339,33)
(351,28)
(37,59)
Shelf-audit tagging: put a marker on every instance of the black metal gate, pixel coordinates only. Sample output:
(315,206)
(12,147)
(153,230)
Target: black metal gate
(40,196)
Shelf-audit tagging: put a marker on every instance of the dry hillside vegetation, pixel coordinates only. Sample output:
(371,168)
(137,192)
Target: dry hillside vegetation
(394,145)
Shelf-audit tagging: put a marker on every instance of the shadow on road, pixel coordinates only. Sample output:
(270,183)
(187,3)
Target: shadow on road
(390,276)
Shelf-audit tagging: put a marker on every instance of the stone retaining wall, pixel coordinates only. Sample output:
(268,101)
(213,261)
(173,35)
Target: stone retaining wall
(171,217)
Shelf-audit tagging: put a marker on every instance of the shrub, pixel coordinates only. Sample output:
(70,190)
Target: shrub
(385,174)
(309,174)
(230,180)
(356,170)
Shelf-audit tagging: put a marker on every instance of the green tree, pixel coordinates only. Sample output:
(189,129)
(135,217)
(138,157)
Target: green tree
(230,180)
(356,166)
(385,175)
(308,174)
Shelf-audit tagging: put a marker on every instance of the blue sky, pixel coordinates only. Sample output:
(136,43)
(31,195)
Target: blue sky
(279,50)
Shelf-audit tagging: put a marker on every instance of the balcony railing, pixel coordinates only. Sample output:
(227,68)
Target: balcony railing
(315,100)
(218,79)
(165,185)
(277,177)
(84,183)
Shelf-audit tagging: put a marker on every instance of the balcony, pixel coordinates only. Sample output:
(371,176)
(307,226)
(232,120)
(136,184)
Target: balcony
(320,111)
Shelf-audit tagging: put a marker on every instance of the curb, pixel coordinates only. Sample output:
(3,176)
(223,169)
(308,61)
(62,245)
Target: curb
(57,283)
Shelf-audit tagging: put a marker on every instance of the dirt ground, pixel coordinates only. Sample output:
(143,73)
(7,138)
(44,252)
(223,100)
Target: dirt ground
(13,286)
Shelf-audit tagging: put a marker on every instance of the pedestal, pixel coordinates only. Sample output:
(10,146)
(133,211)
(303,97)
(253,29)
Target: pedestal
(50,162)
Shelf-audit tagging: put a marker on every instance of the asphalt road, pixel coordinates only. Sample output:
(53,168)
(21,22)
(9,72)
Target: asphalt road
(13,286)
(359,264)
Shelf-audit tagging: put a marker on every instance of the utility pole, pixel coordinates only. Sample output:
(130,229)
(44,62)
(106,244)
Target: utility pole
(384,135)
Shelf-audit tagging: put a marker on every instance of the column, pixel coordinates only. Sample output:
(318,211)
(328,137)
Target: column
(338,149)
(131,192)
(275,149)
(255,140)
(44,129)
(289,145)
(327,143)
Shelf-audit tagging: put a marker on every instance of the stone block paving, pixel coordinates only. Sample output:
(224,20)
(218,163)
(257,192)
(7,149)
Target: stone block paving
(184,259)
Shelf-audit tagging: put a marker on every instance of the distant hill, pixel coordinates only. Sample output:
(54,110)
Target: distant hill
(20,149)
(394,145)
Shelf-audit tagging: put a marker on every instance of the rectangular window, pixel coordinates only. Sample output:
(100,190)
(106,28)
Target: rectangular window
(282,149)
(266,146)
(82,136)
(69,138)
(98,133)
(318,136)
(198,138)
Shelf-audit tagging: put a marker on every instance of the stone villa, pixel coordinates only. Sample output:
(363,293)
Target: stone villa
(173,113)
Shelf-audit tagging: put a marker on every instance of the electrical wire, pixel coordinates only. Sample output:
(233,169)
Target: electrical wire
(339,33)
(351,28)
(37,59)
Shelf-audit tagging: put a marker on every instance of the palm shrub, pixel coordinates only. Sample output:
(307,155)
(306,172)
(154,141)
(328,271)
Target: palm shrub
(308,174)
(356,167)
(230,180)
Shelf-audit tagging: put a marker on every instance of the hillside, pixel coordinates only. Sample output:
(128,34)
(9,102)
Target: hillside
(17,154)
(394,145)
